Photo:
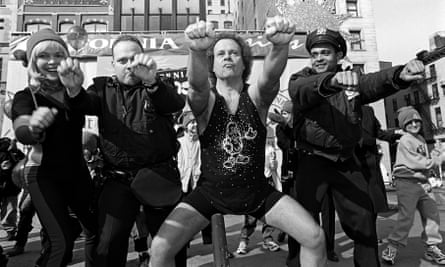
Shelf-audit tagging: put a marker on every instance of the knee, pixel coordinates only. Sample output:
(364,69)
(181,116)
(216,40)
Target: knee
(161,248)
(315,238)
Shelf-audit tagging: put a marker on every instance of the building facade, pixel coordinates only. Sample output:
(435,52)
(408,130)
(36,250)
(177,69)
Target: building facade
(360,26)
(221,13)
(428,96)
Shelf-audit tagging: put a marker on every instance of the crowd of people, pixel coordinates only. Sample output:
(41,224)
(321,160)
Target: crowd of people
(141,177)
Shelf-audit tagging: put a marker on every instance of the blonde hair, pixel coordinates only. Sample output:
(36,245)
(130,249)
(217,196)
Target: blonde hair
(34,75)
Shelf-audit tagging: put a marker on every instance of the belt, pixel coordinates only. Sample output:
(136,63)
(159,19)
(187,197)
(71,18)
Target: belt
(118,175)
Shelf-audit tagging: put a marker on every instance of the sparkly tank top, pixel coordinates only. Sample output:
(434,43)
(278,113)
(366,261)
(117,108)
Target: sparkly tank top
(232,156)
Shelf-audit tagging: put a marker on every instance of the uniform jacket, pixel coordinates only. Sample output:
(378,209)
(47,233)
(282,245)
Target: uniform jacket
(326,122)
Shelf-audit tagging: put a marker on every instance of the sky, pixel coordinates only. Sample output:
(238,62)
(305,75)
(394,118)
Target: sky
(404,27)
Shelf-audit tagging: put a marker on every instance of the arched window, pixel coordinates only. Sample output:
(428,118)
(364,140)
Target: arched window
(65,25)
(95,26)
(34,26)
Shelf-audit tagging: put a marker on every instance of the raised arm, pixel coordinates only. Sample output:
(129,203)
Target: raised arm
(201,36)
(279,31)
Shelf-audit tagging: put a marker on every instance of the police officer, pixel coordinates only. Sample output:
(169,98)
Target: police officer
(327,119)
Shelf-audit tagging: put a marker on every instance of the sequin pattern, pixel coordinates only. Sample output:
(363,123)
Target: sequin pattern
(233,155)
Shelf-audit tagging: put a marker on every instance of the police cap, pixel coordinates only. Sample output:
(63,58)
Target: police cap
(326,36)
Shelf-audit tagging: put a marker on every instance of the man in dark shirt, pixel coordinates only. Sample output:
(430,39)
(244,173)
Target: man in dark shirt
(327,114)
(136,131)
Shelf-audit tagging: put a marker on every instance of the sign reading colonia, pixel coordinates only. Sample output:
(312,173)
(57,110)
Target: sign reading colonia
(167,43)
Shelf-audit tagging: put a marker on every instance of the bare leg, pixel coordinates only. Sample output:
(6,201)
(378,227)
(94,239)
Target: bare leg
(290,217)
(178,229)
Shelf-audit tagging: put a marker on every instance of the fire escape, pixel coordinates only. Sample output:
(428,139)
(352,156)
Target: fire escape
(426,100)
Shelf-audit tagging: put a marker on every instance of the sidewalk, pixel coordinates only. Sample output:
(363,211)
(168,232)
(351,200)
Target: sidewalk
(201,255)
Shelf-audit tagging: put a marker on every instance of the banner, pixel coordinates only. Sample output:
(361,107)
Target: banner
(165,43)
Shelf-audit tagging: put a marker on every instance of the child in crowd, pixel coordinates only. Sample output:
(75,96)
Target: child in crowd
(411,169)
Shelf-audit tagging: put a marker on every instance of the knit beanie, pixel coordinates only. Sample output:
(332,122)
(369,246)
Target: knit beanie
(187,117)
(43,35)
(407,114)
(287,106)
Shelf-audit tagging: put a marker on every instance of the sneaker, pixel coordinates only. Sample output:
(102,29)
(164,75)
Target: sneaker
(144,258)
(271,245)
(242,248)
(389,255)
(434,254)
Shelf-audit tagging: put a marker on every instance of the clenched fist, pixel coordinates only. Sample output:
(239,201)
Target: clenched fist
(279,30)
(144,67)
(414,70)
(347,80)
(41,119)
(201,35)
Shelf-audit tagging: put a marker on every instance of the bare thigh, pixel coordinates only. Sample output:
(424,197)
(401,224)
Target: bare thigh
(289,216)
(178,229)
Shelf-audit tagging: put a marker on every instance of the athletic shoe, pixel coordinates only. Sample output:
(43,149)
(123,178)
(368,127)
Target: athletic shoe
(434,254)
(389,254)
(271,245)
(242,248)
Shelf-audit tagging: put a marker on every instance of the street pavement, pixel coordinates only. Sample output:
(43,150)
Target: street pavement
(200,255)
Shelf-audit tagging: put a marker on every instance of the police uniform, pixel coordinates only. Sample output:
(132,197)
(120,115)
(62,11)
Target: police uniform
(327,125)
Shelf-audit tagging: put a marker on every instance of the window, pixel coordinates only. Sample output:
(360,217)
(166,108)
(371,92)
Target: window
(435,91)
(34,27)
(227,25)
(356,40)
(133,6)
(65,25)
(395,107)
(1,67)
(1,24)
(352,8)
(359,68)
(95,27)
(209,11)
(209,2)
(154,23)
(2,2)
(408,99)
(222,3)
(439,121)
(223,11)
(433,73)
(166,22)
(215,24)
(416,97)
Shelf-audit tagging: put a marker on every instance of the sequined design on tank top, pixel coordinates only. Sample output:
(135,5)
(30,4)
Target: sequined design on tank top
(233,156)
(233,144)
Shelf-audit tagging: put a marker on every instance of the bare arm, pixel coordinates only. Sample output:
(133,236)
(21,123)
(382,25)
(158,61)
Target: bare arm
(279,31)
(201,36)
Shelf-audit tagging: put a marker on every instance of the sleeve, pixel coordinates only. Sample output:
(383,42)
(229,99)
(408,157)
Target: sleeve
(21,110)
(308,90)
(166,98)
(378,85)
(22,104)
(87,102)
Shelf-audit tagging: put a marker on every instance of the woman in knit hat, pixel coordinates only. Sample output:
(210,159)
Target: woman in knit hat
(413,162)
(57,174)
